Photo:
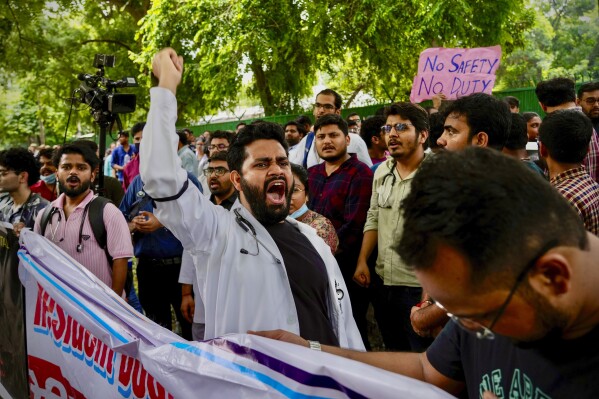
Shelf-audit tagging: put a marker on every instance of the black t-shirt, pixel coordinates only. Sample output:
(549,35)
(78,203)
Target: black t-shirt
(555,368)
(308,280)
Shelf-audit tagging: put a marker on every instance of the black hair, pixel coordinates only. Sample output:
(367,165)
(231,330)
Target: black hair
(86,143)
(554,92)
(300,128)
(46,153)
(237,153)
(218,156)
(20,160)
(497,217)
(302,175)
(412,112)
(331,92)
(483,113)
(182,137)
(518,136)
(139,126)
(591,86)
(304,120)
(529,115)
(353,114)
(81,147)
(566,135)
(512,101)
(371,127)
(436,123)
(223,134)
(331,119)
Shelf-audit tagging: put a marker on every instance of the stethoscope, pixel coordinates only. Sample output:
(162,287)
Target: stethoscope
(381,190)
(249,228)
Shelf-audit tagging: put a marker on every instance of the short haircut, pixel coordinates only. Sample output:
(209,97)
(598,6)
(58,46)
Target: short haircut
(182,137)
(512,101)
(529,115)
(300,128)
(412,112)
(371,127)
(353,114)
(237,153)
(81,148)
(138,127)
(331,119)
(222,134)
(498,217)
(302,175)
(518,136)
(46,153)
(566,135)
(436,123)
(331,92)
(483,113)
(87,143)
(124,133)
(20,160)
(554,92)
(218,156)
(591,86)
(304,120)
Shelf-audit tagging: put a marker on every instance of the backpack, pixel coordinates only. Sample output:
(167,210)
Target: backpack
(94,210)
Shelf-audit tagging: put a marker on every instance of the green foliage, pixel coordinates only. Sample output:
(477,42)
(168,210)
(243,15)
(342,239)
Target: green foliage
(563,42)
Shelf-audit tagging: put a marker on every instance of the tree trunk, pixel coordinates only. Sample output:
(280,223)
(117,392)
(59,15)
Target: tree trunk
(262,86)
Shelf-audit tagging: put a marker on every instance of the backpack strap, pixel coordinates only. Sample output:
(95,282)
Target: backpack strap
(95,213)
(309,140)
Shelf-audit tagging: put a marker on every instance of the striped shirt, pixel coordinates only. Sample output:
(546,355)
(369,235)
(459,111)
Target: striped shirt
(591,160)
(582,192)
(65,234)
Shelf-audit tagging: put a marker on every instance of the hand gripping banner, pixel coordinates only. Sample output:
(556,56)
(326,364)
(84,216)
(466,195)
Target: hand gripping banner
(83,341)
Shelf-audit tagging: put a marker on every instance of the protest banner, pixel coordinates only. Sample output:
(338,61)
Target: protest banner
(455,72)
(13,367)
(84,341)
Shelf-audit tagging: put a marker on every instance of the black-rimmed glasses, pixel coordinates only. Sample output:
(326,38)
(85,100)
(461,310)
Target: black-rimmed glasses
(481,331)
(219,171)
(220,147)
(399,127)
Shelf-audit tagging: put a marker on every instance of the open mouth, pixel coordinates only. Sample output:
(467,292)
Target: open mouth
(275,192)
(214,184)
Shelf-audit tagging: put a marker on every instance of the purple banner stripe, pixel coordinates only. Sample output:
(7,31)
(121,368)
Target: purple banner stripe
(292,372)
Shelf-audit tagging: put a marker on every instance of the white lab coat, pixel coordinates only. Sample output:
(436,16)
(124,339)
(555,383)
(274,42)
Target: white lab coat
(240,291)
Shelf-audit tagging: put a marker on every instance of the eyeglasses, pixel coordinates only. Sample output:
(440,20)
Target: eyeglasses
(477,328)
(399,127)
(219,171)
(328,107)
(297,190)
(220,147)
(591,100)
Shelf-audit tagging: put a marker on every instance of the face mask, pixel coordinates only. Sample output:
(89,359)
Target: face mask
(50,179)
(299,212)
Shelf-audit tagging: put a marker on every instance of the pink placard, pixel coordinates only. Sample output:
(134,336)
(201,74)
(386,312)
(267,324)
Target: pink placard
(455,72)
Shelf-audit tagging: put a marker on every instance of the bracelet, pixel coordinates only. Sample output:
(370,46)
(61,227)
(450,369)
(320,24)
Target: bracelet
(315,345)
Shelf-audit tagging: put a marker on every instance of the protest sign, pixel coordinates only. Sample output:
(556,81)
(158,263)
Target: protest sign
(455,72)
(13,367)
(85,341)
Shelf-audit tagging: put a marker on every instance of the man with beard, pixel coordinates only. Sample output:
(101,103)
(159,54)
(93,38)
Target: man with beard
(69,226)
(46,186)
(588,100)
(341,189)
(294,132)
(516,270)
(395,288)
(256,268)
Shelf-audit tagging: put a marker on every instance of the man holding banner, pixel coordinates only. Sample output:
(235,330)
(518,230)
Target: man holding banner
(256,268)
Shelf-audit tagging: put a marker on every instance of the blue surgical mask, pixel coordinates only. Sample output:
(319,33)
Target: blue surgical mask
(299,212)
(50,179)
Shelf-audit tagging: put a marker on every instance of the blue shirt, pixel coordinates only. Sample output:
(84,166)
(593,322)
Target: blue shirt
(160,243)
(118,158)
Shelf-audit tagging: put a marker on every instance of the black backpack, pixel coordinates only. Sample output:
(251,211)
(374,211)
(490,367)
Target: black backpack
(94,210)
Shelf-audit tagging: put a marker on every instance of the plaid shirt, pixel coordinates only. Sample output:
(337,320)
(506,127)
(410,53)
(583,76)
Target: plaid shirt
(591,161)
(582,193)
(343,198)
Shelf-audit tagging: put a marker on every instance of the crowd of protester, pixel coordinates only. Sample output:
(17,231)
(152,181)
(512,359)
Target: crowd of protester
(293,231)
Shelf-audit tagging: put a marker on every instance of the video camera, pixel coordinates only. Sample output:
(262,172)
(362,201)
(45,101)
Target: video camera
(100,94)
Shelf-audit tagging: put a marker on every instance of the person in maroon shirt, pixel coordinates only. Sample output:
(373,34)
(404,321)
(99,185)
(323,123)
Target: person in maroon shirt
(341,187)
(46,186)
